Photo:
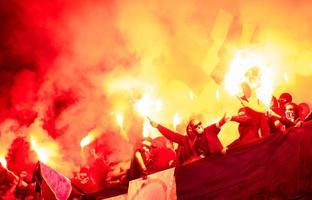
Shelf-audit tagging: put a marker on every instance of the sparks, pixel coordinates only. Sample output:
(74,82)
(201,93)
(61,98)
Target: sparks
(147,105)
(248,67)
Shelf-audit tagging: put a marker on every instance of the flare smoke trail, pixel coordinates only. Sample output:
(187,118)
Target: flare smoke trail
(68,67)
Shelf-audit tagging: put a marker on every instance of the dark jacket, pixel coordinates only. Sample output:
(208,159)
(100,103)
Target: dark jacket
(190,149)
(250,124)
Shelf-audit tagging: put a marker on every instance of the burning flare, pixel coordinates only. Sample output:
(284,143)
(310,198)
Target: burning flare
(42,153)
(90,137)
(146,128)
(176,120)
(3,162)
(250,68)
(120,120)
(147,105)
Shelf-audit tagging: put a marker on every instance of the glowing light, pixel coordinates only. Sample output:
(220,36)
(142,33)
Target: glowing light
(3,162)
(176,120)
(191,95)
(286,78)
(43,154)
(120,119)
(146,128)
(147,105)
(217,95)
(90,137)
(251,68)
(159,105)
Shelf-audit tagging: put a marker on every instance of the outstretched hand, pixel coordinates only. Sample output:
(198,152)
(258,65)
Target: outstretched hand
(223,120)
(153,124)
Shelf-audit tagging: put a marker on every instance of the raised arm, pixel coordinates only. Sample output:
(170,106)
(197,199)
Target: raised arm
(241,118)
(213,128)
(216,127)
(169,134)
(139,158)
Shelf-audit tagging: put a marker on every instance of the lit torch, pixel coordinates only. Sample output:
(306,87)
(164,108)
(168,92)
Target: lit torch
(120,119)
(3,162)
(147,106)
(146,128)
(248,67)
(90,137)
(43,154)
(120,122)
(176,120)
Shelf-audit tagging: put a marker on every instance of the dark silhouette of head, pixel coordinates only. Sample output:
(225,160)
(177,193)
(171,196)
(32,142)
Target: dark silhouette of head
(284,98)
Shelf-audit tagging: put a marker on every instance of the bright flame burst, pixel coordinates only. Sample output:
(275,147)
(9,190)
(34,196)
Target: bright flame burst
(251,68)
(217,94)
(90,137)
(176,120)
(146,128)
(42,153)
(3,162)
(147,105)
(120,119)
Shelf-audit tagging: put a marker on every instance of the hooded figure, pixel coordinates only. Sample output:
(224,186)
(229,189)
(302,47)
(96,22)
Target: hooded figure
(283,99)
(251,123)
(199,141)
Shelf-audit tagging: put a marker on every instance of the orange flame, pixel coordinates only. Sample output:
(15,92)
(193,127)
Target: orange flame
(90,137)
(146,128)
(42,153)
(147,105)
(120,119)
(251,68)
(176,120)
(3,162)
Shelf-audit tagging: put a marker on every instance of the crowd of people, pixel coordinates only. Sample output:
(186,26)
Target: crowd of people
(154,155)
(200,142)
(16,187)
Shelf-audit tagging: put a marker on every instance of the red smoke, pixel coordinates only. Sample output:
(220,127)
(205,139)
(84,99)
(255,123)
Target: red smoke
(67,67)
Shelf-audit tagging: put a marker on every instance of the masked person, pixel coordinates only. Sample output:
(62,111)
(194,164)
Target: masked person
(283,99)
(251,123)
(303,111)
(199,141)
(142,162)
(291,118)
(84,181)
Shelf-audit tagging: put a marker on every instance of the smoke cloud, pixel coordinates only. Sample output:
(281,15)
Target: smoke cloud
(68,67)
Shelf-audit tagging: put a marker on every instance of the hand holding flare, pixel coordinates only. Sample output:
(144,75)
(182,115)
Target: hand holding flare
(153,124)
